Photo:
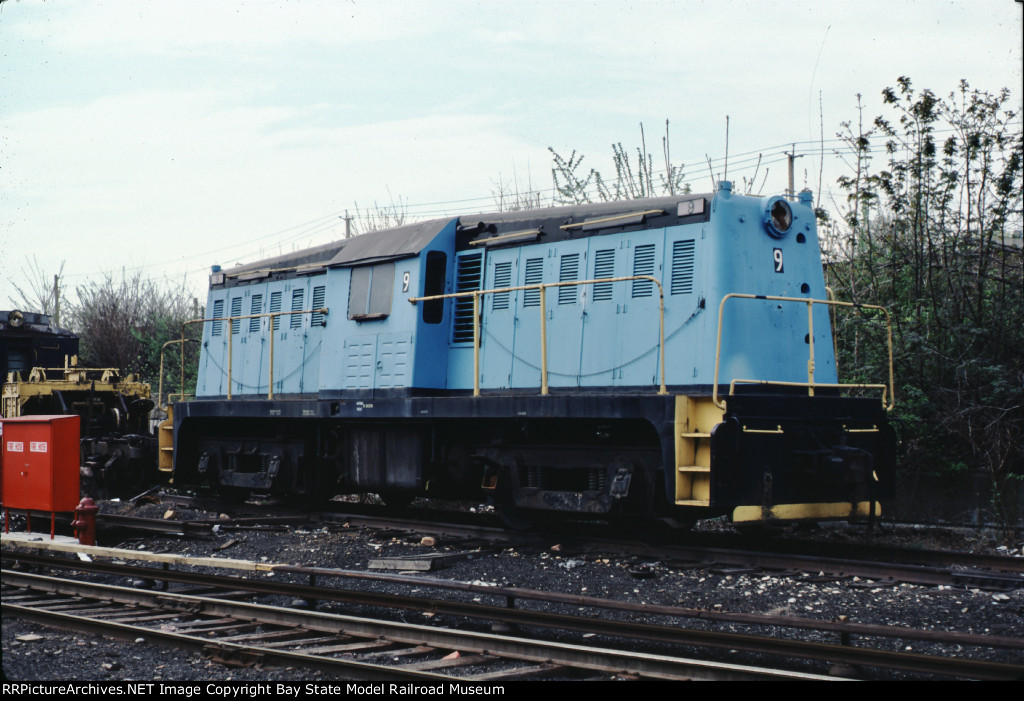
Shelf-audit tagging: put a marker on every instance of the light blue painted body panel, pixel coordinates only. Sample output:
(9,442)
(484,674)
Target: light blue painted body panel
(325,353)
(432,340)
(298,342)
(373,353)
(498,350)
(535,264)
(399,351)
(766,339)
(607,336)
(598,335)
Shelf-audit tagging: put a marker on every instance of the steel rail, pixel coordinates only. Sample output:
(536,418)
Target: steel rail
(478,527)
(988,571)
(602,626)
(489,644)
(913,565)
(346,669)
(810,556)
(510,594)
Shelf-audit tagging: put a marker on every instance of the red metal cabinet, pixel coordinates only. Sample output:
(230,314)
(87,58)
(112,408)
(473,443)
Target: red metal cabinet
(40,462)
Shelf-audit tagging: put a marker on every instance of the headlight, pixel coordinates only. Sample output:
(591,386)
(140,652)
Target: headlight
(778,217)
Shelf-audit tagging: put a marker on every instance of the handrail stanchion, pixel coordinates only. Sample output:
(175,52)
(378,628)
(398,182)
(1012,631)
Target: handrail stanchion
(231,356)
(810,346)
(160,390)
(543,340)
(476,344)
(270,370)
(661,337)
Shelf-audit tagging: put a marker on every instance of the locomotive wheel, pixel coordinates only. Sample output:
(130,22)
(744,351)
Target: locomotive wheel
(515,518)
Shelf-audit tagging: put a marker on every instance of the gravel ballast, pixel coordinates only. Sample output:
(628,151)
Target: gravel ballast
(33,652)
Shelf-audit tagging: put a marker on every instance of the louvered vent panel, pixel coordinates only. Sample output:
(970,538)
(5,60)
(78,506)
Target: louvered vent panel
(218,312)
(502,278)
(296,319)
(468,278)
(275,306)
(257,308)
(682,267)
(568,270)
(236,310)
(534,276)
(643,264)
(604,266)
(319,297)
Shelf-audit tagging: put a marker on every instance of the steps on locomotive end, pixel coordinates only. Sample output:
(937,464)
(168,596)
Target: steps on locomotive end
(165,441)
(693,469)
(695,417)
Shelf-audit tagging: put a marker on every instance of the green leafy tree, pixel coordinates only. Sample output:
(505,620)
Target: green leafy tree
(931,236)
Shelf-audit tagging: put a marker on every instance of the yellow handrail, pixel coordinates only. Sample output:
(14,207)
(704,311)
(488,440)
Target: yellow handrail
(542,288)
(230,319)
(810,384)
(160,391)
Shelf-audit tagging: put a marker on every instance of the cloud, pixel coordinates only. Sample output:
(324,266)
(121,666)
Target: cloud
(154,26)
(169,175)
(176,133)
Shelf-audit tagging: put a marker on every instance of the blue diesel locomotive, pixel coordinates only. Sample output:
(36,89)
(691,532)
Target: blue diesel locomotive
(670,355)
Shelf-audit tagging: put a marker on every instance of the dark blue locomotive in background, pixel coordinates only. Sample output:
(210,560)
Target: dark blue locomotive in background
(670,355)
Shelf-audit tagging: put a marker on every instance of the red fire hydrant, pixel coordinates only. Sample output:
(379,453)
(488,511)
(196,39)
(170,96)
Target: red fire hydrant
(85,521)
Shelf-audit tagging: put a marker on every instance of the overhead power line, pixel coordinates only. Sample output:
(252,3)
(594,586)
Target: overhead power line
(739,163)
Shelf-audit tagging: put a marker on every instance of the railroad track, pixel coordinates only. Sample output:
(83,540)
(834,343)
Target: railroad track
(513,607)
(914,566)
(347,647)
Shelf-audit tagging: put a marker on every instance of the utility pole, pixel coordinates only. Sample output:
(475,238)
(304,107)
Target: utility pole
(791,192)
(56,301)
(348,225)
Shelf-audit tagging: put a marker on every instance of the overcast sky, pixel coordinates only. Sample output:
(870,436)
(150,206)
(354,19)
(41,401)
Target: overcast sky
(169,136)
